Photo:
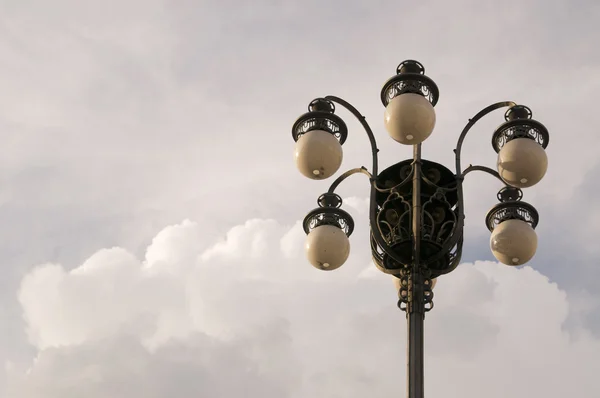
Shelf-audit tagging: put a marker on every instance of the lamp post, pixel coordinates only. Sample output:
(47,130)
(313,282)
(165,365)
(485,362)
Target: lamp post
(416,214)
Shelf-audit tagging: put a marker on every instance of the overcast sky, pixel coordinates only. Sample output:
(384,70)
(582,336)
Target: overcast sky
(150,243)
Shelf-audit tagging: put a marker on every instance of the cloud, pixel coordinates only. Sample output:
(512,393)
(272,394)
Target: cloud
(116,124)
(117,325)
(109,293)
(120,367)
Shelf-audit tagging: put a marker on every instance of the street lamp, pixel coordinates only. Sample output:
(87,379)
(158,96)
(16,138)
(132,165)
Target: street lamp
(416,214)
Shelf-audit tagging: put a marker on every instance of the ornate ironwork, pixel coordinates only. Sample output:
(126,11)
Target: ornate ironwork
(320,116)
(405,295)
(442,260)
(410,78)
(509,194)
(511,208)
(329,213)
(417,247)
(439,217)
(330,199)
(519,124)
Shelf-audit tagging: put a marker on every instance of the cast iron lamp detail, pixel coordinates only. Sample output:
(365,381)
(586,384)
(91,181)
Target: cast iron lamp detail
(416,212)
(319,135)
(328,228)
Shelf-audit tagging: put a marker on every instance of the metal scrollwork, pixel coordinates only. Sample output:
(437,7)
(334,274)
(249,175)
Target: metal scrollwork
(329,213)
(319,124)
(516,210)
(511,208)
(329,216)
(416,209)
(519,124)
(320,117)
(520,129)
(405,294)
(439,217)
(410,78)
(428,295)
(409,86)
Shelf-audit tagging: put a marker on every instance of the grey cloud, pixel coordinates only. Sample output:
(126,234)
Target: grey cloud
(116,123)
(121,367)
(289,328)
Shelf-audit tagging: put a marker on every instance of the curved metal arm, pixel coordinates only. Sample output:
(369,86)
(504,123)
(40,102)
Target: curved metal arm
(374,171)
(472,121)
(347,174)
(480,168)
(456,237)
(365,125)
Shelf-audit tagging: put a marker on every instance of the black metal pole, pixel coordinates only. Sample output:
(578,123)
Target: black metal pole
(415,313)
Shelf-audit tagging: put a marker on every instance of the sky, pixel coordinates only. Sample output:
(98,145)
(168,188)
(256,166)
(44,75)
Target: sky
(150,209)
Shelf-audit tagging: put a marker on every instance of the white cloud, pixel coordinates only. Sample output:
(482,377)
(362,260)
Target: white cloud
(110,293)
(248,241)
(117,325)
(121,367)
(120,117)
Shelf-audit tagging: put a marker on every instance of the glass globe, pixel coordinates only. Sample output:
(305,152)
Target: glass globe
(318,154)
(409,118)
(513,242)
(327,247)
(522,162)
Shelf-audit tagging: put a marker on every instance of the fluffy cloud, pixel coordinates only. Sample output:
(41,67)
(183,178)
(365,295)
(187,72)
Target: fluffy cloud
(248,316)
(120,367)
(171,102)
